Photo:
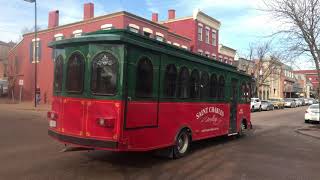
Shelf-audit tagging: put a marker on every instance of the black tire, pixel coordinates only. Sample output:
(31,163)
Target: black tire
(242,130)
(260,109)
(252,109)
(306,121)
(182,144)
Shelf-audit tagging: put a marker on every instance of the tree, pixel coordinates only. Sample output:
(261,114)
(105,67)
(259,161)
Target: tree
(301,26)
(267,65)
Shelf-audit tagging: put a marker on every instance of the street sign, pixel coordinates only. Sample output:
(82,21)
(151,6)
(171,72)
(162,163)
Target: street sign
(21,82)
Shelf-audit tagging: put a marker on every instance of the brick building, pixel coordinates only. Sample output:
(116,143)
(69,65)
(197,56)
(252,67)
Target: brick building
(173,31)
(312,77)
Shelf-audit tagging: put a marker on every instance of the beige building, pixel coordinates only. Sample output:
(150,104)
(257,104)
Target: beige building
(4,49)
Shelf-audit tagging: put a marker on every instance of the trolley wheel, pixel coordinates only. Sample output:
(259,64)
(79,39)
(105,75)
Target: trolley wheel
(242,131)
(182,144)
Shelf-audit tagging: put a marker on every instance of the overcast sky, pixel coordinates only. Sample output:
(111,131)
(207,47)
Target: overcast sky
(241,22)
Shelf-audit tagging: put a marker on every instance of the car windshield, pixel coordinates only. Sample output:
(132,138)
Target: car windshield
(315,106)
(288,99)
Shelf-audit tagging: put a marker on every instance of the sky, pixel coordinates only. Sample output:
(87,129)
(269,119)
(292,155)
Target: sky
(242,22)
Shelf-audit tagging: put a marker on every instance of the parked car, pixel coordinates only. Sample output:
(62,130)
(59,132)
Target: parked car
(3,87)
(266,106)
(306,101)
(312,114)
(277,103)
(255,104)
(311,101)
(298,102)
(303,103)
(289,102)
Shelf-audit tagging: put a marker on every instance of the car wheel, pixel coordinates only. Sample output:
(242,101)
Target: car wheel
(260,109)
(252,109)
(306,121)
(182,144)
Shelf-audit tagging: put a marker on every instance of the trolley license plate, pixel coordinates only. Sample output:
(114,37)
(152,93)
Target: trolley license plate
(52,123)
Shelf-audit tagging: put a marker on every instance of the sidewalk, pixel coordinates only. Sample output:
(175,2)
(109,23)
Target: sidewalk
(311,130)
(5,103)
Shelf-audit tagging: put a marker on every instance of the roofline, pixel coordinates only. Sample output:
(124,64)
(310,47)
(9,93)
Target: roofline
(176,19)
(209,17)
(227,47)
(115,14)
(15,46)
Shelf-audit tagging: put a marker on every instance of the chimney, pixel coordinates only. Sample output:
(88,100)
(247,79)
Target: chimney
(171,14)
(155,17)
(88,11)
(53,19)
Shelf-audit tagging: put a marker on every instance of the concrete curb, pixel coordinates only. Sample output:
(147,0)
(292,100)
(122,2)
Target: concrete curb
(309,133)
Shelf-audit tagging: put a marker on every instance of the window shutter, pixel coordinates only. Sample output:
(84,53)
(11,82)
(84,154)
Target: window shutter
(31,52)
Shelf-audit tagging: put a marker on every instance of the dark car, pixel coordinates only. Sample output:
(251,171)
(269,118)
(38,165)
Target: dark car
(267,106)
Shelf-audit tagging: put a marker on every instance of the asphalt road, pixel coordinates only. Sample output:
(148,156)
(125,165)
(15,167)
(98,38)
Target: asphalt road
(273,151)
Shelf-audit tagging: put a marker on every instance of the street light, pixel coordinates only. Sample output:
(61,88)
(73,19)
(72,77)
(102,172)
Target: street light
(35,50)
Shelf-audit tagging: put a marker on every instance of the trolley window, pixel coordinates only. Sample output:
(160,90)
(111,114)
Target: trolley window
(194,84)
(221,87)
(144,78)
(58,73)
(213,86)
(170,80)
(75,73)
(183,83)
(205,88)
(104,74)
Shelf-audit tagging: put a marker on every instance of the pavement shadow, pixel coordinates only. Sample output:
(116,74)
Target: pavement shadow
(148,159)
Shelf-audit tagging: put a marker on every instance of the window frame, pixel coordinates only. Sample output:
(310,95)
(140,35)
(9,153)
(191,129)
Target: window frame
(197,83)
(62,71)
(200,33)
(181,85)
(204,90)
(117,73)
(166,84)
(136,94)
(214,86)
(83,74)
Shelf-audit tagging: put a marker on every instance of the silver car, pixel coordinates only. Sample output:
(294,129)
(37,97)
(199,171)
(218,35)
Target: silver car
(291,103)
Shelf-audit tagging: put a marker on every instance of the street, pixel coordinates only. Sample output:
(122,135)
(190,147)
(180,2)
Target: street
(273,151)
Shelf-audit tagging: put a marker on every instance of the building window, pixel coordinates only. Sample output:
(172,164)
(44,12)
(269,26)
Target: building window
(144,78)
(75,73)
(77,33)
(169,42)
(58,37)
(176,44)
(200,52)
(214,38)
(147,32)
(134,28)
(104,74)
(58,74)
(207,54)
(207,35)
(213,86)
(205,88)
(106,27)
(200,33)
(184,47)
(194,84)
(159,36)
(170,81)
(214,56)
(183,83)
(35,46)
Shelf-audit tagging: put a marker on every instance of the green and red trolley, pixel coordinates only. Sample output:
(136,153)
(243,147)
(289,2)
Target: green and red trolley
(121,91)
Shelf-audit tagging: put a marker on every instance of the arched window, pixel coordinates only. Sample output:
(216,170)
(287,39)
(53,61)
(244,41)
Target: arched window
(75,73)
(195,84)
(104,74)
(144,78)
(221,87)
(58,74)
(243,91)
(170,81)
(205,88)
(249,93)
(183,83)
(213,86)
